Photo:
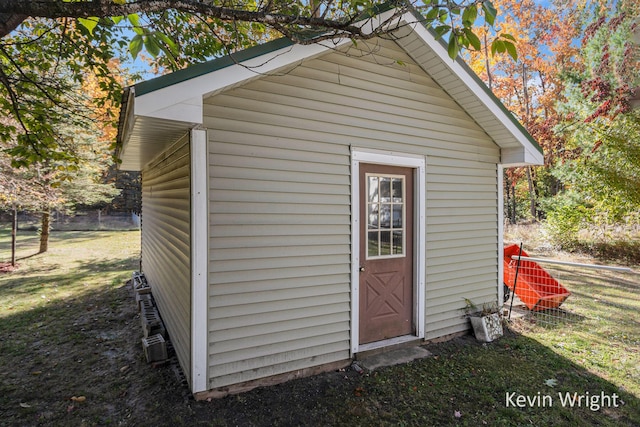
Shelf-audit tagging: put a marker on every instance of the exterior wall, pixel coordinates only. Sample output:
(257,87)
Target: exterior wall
(280,209)
(166,251)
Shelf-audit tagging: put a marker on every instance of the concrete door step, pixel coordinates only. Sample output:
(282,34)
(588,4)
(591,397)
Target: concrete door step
(393,357)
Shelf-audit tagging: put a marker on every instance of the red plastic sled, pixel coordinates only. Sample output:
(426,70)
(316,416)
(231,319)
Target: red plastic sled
(535,287)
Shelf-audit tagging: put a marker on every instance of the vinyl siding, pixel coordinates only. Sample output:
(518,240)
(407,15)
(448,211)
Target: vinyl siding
(280,211)
(166,213)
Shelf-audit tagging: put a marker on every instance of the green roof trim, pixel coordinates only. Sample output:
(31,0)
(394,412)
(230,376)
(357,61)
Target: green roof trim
(203,68)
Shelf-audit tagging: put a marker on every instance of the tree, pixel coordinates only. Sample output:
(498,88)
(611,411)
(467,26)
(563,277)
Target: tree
(600,173)
(47,47)
(69,180)
(16,191)
(531,86)
(52,184)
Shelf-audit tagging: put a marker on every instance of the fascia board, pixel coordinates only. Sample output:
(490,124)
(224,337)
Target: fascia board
(168,100)
(187,110)
(520,156)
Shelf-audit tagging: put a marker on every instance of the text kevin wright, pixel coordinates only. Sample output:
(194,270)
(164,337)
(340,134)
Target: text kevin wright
(565,399)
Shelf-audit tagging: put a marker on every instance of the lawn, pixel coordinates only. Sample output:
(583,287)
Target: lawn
(71,355)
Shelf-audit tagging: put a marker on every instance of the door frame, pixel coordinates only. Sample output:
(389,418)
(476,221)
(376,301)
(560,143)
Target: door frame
(418,163)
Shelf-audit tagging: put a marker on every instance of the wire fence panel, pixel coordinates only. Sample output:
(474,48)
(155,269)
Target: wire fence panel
(551,292)
(597,326)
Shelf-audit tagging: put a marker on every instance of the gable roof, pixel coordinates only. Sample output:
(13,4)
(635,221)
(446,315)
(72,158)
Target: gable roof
(157,112)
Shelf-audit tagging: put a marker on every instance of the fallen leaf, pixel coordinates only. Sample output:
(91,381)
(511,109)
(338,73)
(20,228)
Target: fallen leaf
(457,414)
(78,398)
(552,382)
(24,405)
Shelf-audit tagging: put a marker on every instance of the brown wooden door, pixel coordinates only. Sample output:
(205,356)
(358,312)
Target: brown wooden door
(386,252)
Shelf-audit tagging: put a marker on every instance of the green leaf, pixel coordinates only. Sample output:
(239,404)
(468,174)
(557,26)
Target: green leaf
(453,48)
(443,15)
(117,19)
(498,46)
(432,14)
(441,30)
(89,23)
(511,50)
(168,42)
(135,46)
(151,45)
(469,16)
(134,20)
(490,12)
(507,36)
(473,39)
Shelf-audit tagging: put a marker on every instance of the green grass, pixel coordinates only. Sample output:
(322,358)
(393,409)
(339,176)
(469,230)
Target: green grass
(61,320)
(69,328)
(604,336)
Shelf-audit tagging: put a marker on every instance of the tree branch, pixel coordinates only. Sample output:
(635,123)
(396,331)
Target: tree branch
(82,9)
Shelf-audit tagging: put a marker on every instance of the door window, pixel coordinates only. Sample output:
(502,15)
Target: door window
(385,216)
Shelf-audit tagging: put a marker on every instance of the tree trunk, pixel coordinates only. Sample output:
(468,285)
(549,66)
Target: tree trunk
(511,199)
(525,92)
(14,233)
(487,63)
(532,195)
(44,234)
(514,205)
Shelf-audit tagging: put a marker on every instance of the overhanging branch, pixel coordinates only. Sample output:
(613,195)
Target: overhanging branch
(19,10)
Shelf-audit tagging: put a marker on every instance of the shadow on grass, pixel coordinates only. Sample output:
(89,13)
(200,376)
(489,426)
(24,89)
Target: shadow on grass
(39,278)
(88,347)
(29,241)
(72,346)
(465,383)
(623,251)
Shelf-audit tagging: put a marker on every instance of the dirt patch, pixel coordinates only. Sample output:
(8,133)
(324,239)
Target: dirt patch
(6,267)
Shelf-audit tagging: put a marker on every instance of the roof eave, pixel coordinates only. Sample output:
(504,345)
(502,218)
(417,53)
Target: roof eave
(521,141)
(177,99)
